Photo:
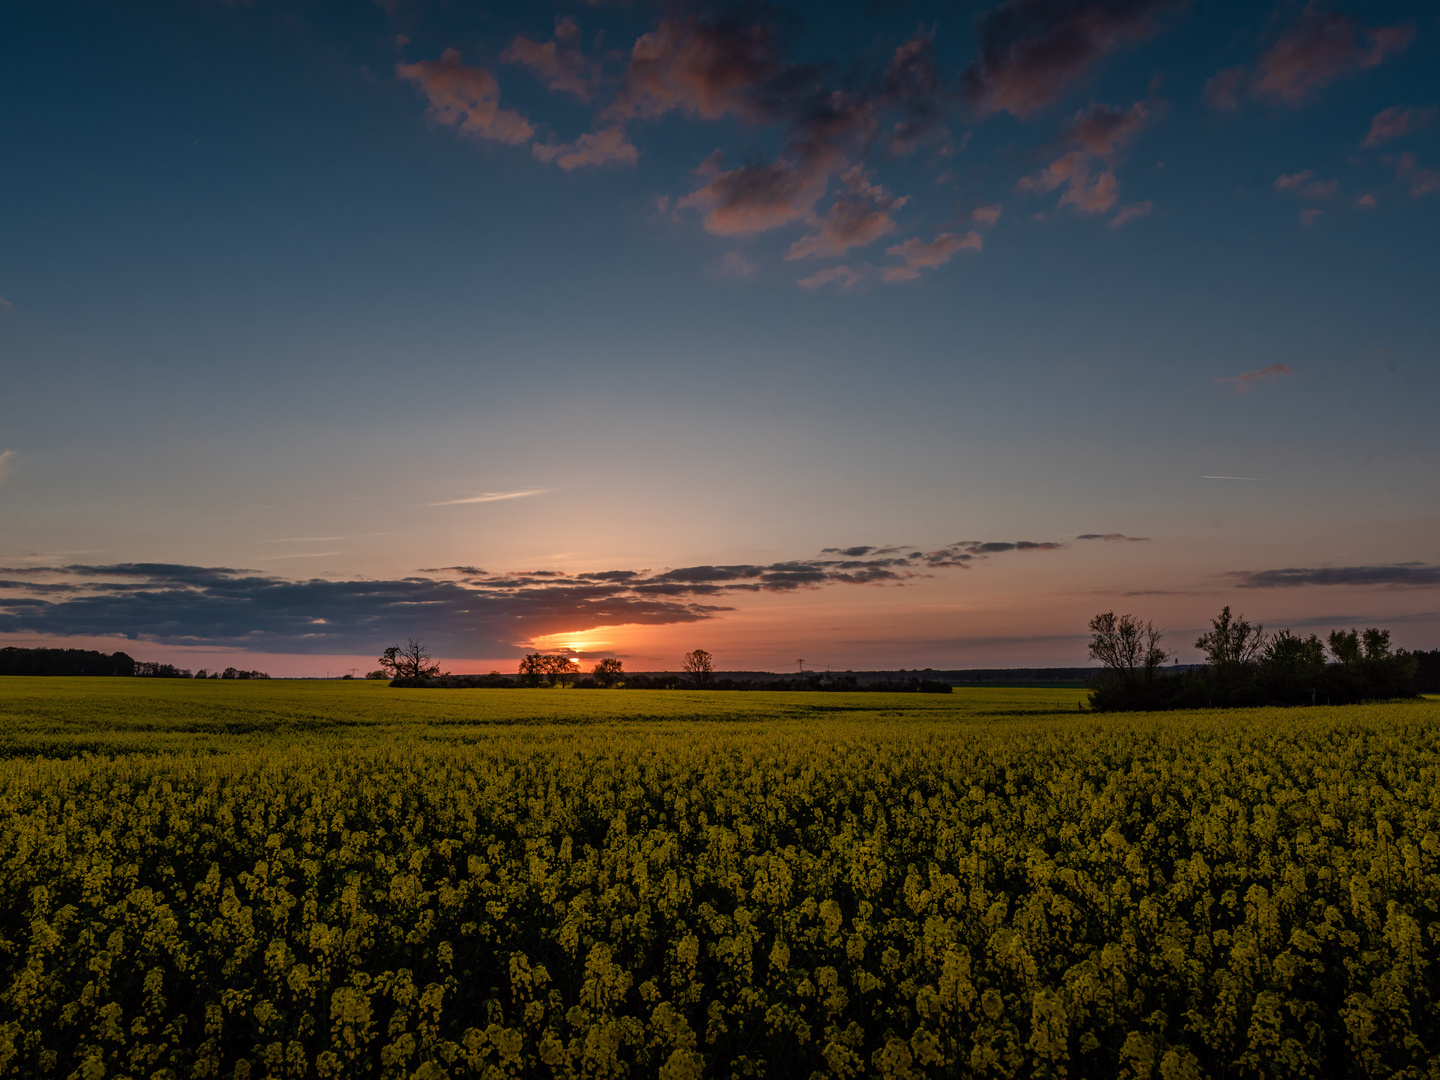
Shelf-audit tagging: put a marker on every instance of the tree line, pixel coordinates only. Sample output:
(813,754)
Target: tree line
(16,661)
(411,665)
(1244,666)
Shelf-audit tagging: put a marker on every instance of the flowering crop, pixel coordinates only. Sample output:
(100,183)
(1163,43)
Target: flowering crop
(934,893)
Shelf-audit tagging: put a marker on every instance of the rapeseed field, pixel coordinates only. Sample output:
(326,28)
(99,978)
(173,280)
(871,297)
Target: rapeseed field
(345,880)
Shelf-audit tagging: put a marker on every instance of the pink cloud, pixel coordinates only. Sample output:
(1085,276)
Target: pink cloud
(1306,58)
(1302,185)
(846,276)
(1421,181)
(1224,88)
(919,255)
(559,62)
(986,215)
(1264,374)
(753,198)
(857,218)
(1397,121)
(1367,201)
(1033,51)
(1309,217)
(1130,213)
(735,265)
(608,146)
(705,69)
(1102,129)
(1091,195)
(467,97)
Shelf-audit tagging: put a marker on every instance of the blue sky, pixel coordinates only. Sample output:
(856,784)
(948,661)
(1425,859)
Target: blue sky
(284,283)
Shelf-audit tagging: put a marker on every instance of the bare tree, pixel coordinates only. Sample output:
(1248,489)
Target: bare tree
(700,666)
(608,671)
(1231,641)
(409,661)
(1127,647)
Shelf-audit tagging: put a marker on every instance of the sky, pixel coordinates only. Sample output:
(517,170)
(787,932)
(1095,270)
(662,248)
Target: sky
(871,335)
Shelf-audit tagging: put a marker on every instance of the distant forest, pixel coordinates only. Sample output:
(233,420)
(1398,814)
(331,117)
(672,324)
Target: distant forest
(15,661)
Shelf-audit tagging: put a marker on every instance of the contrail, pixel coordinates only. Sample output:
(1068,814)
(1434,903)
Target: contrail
(490,496)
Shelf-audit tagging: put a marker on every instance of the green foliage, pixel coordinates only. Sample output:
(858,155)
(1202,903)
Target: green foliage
(452,883)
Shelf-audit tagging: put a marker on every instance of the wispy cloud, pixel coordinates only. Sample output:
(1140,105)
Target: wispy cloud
(467,97)
(1249,378)
(7,459)
(917,254)
(490,496)
(1405,575)
(1308,56)
(1033,51)
(1397,122)
(1114,538)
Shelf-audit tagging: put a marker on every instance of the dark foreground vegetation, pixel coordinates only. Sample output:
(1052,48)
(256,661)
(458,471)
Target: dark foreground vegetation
(1246,667)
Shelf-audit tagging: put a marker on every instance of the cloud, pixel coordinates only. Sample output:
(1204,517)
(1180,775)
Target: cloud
(919,255)
(1086,173)
(1130,213)
(857,218)
(1421,181)
(1307,57)
(846,276)
(7,458)
(1397,122)
(1090,194)
(1033,51)
(1303,185)
(704,67)
(609,146)
(735,265)
(824,128)
(1407,575)
(1103,129)
(1243,382)
(1114,538)
(1367,201)
(558,62)
(466,612)
(1309,217)
(986,215)
(490,496)
(467,97)
(1224,89)
(6,307)
(912,83)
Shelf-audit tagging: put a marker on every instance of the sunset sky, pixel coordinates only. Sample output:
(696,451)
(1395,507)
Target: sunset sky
(878,334)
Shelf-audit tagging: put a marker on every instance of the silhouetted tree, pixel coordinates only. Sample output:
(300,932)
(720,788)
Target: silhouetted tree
(700,666)
(410,661)
(608,671)
(1231,642)
(1128,648)
(531,668)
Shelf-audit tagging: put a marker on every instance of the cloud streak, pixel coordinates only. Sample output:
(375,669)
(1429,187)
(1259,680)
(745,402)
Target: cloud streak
(1249,378)
(1401,575)
(489,496)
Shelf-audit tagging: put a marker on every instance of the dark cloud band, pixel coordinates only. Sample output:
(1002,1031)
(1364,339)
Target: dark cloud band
(458,610)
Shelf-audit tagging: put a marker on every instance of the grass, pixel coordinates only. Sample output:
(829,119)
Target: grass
(65,717)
